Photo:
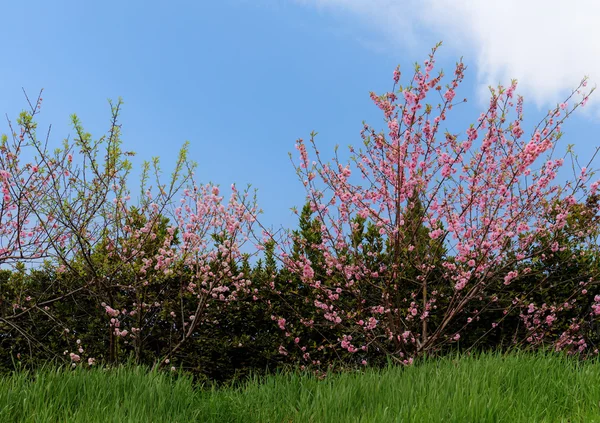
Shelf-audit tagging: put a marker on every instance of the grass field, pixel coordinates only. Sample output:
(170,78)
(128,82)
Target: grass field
(490,388)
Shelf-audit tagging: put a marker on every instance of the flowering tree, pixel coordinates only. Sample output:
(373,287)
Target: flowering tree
(460,217)
(25,233)
(140,263)
(29,231)
(204,261)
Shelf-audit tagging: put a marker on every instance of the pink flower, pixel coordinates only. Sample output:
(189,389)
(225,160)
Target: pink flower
(308,272)
(111,311)
(449,95)
(435,234)
(281,323)
(509,277)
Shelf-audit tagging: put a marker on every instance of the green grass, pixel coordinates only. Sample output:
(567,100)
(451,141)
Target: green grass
(490,388)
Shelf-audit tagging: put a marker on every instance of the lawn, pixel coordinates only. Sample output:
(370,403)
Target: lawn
(488,388)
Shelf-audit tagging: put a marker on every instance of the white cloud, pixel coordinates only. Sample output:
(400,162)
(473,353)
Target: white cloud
(548,45)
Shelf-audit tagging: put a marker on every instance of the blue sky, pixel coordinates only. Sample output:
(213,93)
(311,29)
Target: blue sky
(242,80)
